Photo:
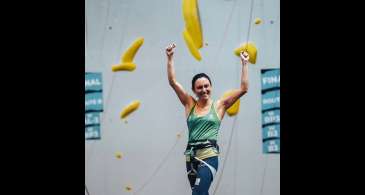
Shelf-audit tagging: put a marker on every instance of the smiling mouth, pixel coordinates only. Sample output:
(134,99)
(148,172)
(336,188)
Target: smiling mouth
(206,93)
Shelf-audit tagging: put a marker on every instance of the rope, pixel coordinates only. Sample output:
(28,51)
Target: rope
(103,37)
(266,157)
(263,177)
(235,119)
(93,141)
(87,191)
(108,97)
(224,162)
(235,165)
(225,32)
(118,55)
(106,103)
(249,23)
(104,31)
(159,166)
(112,82)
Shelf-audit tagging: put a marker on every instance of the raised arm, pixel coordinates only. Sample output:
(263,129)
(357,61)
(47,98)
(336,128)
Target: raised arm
(184,97)
(225,103)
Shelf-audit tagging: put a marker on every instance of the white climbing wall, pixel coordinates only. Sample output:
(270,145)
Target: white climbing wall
(149,137)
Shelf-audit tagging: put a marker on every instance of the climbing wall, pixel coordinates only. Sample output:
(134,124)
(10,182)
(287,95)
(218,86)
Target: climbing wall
(143,153)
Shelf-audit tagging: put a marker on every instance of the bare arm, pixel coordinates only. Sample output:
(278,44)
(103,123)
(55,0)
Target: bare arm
(225,103)
(184,97)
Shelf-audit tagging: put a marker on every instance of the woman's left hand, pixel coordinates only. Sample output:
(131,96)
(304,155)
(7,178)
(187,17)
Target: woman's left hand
(244,57)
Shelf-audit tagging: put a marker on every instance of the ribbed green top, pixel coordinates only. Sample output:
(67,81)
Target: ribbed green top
(203,127)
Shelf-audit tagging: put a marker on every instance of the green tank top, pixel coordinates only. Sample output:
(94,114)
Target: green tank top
(203,127)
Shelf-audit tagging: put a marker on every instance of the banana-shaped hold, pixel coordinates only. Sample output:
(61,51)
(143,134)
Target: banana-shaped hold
(128,66)
(129,109)
(193,50)
(192,21)
(251,50)
(258,21)
(235,108)
(128,56)
(193,27)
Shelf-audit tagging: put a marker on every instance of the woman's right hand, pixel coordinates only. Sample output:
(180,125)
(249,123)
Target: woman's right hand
(170,50)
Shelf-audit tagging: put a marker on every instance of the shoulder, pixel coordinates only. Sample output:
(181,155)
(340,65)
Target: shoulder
(218,103)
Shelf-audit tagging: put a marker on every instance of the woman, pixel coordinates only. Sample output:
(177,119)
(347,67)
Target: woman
(204,117)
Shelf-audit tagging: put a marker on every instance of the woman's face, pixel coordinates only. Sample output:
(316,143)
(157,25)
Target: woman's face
(202,88)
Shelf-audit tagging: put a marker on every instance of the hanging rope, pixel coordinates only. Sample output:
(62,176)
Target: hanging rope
(99,60)
(265,156)
(226,156)
(113,77)
(235,119)
(87,191)
(103,35)
(235,164)
(263,177)
(122,40)
(100,56)
(249,23)
(108,97)
(159,166)
(225,33)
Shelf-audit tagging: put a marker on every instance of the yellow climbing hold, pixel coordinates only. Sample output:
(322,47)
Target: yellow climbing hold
(251,50)
(128,188)
(235,108)
(193,35)
(178,135)
(258,21)
(129,109)
(132,50)
(193,50)
(128,66)
(128,56)
(118,155)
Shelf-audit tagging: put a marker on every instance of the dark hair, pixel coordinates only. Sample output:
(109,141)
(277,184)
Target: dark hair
(198,76)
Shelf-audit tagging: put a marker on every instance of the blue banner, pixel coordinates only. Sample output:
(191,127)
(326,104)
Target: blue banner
(92,118)
(93,101)
(272,146)
(93,82)
(270,109)
(93,105)
(271,99)
(270,79)
(271,116)
(92,132)
(271,131)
